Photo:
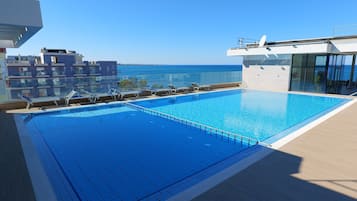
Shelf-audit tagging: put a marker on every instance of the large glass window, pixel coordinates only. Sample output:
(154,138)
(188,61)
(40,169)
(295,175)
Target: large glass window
(354,79)
(281,59)
(297,73)
(308,73)
(341,74)
(320,73)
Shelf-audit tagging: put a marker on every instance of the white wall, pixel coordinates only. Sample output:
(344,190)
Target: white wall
(267,77)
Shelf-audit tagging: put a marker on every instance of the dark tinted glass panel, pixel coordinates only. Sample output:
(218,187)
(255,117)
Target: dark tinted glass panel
(341,74)
(308,73)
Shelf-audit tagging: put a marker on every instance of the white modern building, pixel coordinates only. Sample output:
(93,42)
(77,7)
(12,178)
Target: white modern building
(323,65)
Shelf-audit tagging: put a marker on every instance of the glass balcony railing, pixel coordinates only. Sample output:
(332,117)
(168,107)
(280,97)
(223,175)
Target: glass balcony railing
(80,73)
(58,73)
(94,72)
(184,79)
(20,83)
(19,74)
(42,74)
(61,86)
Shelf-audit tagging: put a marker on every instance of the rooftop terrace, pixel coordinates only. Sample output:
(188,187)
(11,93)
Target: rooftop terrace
(319,165)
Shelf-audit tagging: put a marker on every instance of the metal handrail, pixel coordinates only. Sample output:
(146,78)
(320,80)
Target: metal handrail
(203,127)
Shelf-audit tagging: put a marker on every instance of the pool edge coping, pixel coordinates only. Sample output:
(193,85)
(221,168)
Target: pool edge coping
(212,181)
(300,131)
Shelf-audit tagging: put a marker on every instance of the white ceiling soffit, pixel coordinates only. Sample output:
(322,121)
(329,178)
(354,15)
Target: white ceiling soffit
(14,35)
(344,46)
(19,21)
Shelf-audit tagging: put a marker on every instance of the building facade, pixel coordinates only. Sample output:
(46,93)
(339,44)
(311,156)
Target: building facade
(322,65)
(55,72)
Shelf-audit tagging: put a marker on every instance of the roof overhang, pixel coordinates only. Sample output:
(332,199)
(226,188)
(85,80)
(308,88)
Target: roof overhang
(19,23)
(337,45)
(288,49)
(344,46)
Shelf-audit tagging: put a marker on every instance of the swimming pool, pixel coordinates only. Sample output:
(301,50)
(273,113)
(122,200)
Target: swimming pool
(119,153)
(266,116)
(122,152)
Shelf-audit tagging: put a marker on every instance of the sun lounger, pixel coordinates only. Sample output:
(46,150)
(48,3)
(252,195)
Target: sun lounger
(205,87)
(70,96)
(162,92)
(173,89)
(28,100)
(113,93)
(92,97)
(196,87)
(179,89)
(146,92)
(183,89)
(31,101)
(128,94)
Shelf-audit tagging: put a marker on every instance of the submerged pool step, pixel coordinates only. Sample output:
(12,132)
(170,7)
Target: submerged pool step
(211,130)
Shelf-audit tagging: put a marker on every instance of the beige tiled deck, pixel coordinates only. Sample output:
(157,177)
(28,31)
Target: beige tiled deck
(319,165)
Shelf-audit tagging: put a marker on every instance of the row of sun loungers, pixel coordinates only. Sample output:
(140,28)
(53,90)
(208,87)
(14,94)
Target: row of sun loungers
(30,102)
(113,93)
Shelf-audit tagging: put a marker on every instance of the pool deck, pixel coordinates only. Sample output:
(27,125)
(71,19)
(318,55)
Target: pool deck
(15,183)
(319,165)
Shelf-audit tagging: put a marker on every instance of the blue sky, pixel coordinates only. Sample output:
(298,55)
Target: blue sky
(181,31)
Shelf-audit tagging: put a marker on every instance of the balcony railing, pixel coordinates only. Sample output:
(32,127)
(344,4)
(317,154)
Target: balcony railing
(59,83)
(19,74)
(42,74)
(58,73)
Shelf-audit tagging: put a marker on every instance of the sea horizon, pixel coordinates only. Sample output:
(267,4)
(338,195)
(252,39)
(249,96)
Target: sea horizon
(181,75)
(148,64)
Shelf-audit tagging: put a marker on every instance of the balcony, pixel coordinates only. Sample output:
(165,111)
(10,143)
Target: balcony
(79,65)
(19,75)
(58,74)
(20,84)
(16,63)
(80,73)
(94,71)
(42,74)
(59,82)
(57,65)
(43,83)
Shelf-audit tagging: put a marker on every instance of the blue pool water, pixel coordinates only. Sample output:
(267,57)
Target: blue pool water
(118,153)
(257,114)
(181,75)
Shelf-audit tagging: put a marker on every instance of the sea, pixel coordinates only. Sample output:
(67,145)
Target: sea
(181,75)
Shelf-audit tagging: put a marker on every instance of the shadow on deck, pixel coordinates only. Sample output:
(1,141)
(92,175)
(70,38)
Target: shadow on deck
(15,183)
(272,178)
